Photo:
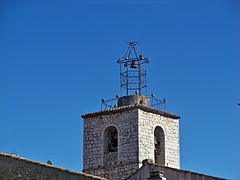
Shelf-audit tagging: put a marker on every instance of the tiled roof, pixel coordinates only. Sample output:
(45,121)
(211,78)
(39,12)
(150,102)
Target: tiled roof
(174,169)
(49,166)
(183,170)
(130,107)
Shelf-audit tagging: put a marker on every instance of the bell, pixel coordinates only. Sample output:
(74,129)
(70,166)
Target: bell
(133,65)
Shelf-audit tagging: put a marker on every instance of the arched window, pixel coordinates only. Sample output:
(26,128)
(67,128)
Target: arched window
(110,140)
(159,145)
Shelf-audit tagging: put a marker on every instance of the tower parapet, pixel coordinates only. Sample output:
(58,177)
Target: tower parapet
(134,99)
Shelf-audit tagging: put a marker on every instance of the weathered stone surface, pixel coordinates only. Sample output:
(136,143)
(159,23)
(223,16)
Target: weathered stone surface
(14,167)
(135,128)
(126,162)
(147,123)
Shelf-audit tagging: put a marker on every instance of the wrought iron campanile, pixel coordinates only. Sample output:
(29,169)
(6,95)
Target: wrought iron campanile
(133,82)
(133,71)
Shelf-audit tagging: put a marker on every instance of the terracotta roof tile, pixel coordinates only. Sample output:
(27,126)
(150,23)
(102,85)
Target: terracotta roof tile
(174,169)
(130,107)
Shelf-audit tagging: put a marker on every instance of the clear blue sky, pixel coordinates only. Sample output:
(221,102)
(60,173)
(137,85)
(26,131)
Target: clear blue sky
(58,59)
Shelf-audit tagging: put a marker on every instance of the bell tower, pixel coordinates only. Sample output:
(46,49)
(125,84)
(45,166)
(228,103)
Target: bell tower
(130,128)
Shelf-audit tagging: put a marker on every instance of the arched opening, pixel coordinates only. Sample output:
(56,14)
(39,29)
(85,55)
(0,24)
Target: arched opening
(110,140)
(110,146)
(159,146)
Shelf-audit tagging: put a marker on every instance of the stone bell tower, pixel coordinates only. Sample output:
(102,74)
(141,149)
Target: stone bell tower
(123,134)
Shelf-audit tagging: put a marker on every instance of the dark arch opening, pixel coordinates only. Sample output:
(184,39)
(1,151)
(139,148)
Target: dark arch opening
(159,146)
(110,140)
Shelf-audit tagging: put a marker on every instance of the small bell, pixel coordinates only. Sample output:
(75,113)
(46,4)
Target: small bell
(134,64)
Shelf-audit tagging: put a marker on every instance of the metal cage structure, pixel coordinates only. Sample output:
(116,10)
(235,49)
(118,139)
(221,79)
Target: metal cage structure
(133,80)
(133,71)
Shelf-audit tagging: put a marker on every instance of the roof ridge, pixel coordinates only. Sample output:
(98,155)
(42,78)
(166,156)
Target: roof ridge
(167,167)
(48,165)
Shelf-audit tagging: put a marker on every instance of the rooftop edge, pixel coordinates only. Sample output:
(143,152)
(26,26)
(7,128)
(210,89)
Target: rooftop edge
(130,107)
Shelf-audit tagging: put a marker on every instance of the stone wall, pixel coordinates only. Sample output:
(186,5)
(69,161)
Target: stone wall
(13,167)
(147,123)
(118,172)
(126,123)
(135,141)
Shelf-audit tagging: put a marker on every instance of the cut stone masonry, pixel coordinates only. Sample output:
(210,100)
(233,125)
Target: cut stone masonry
(135,128)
